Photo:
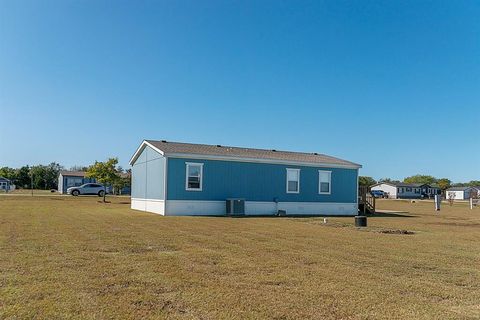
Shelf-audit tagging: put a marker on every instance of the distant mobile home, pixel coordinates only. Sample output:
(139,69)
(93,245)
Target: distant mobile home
(172,178)
(407,190)
(6,184)
(67,179)
(462,193)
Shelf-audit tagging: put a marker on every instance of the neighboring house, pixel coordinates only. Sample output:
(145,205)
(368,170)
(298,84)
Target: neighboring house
(407,190)
(173,178)
(462,193)
(68,179)
(6,185)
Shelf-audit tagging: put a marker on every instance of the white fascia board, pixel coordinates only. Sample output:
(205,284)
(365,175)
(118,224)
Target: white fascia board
(256,160)
(140,149)
(380,183)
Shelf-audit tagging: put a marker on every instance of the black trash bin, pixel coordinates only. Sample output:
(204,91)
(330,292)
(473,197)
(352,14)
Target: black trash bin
(360,221)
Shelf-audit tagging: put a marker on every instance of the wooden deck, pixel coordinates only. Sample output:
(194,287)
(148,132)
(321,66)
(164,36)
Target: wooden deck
(366,202)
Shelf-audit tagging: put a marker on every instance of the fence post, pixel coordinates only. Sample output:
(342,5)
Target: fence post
(471,203)
(437,201)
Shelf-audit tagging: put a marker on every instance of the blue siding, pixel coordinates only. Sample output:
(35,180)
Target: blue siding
(258,182)
(148,175)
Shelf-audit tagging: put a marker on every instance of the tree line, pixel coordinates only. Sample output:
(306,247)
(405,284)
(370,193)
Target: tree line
(39,176)
(109,172)
(442,183)
(46,176)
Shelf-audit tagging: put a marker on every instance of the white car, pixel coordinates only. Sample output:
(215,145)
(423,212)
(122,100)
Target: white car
(87,188)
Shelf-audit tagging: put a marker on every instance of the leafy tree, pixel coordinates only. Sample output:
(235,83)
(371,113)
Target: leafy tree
(23,177)
(52,172)
(444,183)
(388,180)
(474,183)
(420,179)
(78,168)
(38,177)
(459,184)
(8,173)
(366,181)
(105,173)
(120,183)
(45,177)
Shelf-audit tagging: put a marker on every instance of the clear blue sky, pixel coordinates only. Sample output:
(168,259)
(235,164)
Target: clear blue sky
(392,85)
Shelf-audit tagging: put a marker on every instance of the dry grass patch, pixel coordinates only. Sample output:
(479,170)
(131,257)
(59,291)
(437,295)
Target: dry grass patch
(78,259)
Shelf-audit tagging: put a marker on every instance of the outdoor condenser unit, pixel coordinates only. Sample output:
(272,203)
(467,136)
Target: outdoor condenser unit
(235,207)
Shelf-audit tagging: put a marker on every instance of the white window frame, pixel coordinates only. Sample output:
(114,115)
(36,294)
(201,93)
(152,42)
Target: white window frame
(298,182)
(329,181)
(187,165)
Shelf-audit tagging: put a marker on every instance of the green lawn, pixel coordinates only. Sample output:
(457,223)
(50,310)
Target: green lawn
(75,258)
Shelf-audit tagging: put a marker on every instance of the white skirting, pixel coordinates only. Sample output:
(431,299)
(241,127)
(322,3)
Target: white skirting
(149,205)
(213,208)
(195,208)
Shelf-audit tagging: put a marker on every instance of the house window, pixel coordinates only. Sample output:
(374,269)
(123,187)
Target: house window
(74,182)
(324,182)
(408,189)
(194,176)
(293,180)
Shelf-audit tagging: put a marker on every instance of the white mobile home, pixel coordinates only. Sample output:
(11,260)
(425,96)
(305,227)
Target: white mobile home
(407,190)
(462,193)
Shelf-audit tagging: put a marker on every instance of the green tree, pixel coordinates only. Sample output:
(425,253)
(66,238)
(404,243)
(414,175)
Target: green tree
(420,179)
(366,181)
(46,177)
(52,171)
(23,177)
(8,173)
(459,184)
(474,183)
(38,177)
(120,183)
(444,183)
(105,173)
(388,180)
(78,168)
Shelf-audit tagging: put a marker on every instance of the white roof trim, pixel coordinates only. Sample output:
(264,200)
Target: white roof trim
(140,149)
(257,160)
(380,183)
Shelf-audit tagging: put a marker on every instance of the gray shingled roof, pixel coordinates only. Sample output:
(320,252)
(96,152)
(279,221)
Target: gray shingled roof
(250,153)
(83,174)
(460,188)
(406,185)
(73,173)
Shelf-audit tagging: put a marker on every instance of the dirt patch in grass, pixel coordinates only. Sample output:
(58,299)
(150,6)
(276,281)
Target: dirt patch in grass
(396,231)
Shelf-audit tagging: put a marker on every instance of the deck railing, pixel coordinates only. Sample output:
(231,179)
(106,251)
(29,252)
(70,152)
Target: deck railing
(366,201)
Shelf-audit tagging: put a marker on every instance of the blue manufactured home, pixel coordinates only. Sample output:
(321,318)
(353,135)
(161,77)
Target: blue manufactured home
(173,178)
(67,179)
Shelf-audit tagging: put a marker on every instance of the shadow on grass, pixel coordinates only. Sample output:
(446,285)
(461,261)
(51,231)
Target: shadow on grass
(291,216)
(391,215)
(300,216)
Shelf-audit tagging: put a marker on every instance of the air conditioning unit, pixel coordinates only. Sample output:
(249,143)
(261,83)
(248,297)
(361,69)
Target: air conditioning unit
(235,207)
